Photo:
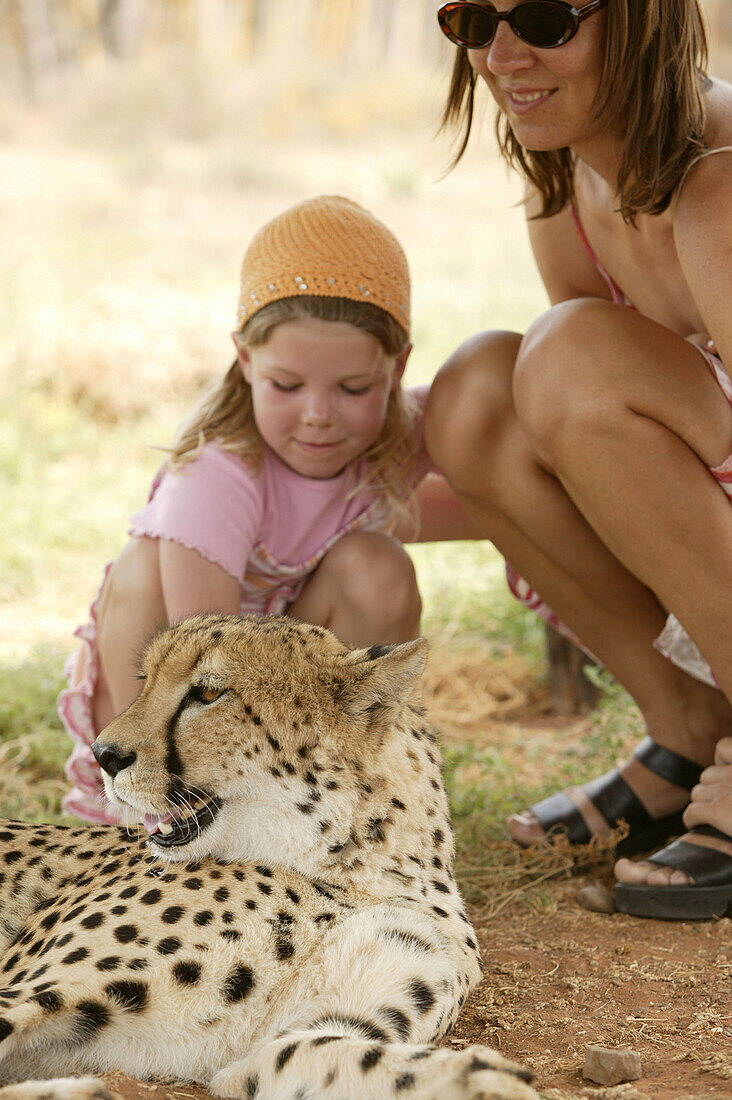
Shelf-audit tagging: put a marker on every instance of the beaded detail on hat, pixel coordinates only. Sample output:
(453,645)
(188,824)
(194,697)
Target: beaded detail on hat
(329,247)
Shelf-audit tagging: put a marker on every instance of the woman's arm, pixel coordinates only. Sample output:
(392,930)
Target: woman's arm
(441,516)
(561,257)
(703,236)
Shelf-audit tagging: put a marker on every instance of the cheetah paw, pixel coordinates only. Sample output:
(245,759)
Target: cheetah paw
(483,1074)
(62,1088)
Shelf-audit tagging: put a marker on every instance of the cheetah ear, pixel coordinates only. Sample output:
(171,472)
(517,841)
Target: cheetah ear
(382,676)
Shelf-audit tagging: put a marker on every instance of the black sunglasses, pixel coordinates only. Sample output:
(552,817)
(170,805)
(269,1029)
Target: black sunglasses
(544,24)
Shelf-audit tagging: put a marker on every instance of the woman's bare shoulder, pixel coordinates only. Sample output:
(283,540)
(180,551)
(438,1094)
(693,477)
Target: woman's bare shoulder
(718,129)
(704,193)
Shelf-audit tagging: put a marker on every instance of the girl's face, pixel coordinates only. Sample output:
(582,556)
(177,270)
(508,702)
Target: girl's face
(320,390)
(546,95)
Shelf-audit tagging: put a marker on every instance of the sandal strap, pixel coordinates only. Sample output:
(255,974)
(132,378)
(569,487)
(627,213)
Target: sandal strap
(709,830)
(611,796)
(558,813)
(616,800)
(668,764)
(706,866)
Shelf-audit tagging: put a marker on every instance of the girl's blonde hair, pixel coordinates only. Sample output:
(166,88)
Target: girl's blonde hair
(226,413)
(651,89)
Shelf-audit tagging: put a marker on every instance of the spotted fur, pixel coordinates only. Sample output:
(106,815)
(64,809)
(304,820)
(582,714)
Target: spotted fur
(291,928)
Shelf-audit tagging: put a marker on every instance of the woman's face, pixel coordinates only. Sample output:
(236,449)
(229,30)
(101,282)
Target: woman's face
(546,95)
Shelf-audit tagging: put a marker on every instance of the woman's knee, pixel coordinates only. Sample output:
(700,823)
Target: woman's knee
(560,389)
(470,405)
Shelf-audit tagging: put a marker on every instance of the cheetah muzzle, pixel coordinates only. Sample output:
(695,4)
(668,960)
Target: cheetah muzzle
(174,831)
(286,925)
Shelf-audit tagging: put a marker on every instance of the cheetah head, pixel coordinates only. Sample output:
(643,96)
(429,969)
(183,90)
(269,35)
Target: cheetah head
(251,738)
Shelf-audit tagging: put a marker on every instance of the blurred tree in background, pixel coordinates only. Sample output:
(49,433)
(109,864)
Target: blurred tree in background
(44,41)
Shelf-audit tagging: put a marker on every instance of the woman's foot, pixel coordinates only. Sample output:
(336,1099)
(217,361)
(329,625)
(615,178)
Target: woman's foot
(648,792)
(710,805)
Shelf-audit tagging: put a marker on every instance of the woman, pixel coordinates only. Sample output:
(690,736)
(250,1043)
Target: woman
(595,451)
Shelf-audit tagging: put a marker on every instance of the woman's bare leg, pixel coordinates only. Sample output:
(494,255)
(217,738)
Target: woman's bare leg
(519,502)
(364,590)
(632,450)
(711,804)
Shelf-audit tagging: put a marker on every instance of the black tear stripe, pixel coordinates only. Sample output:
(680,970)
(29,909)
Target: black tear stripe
(173,762)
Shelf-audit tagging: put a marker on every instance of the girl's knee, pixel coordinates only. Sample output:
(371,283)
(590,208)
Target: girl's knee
(470,404)
(375,577)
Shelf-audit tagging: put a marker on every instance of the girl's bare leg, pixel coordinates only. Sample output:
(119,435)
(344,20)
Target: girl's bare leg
(131,610)
(153,583)
(364,590)
(542,482)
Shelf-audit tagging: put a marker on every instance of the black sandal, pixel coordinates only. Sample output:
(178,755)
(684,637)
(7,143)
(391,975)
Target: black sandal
(616,801)
(709,896)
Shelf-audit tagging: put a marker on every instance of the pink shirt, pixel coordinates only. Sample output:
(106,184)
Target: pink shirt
(269,528)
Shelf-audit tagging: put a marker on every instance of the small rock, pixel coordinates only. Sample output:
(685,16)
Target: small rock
(611,1067)
(596,898)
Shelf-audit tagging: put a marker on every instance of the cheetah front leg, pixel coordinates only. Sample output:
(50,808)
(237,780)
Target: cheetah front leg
(325,1064)
(366,1011)
(62,1088)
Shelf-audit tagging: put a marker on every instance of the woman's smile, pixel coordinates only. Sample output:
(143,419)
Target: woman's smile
(523,100)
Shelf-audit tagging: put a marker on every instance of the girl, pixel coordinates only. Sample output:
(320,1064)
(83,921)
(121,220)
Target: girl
(283,491)
(596,449)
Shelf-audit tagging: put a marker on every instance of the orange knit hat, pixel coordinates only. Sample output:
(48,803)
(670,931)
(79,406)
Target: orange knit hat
(330,247)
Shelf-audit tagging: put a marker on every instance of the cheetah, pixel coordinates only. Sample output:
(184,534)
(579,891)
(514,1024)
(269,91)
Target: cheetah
(287,924)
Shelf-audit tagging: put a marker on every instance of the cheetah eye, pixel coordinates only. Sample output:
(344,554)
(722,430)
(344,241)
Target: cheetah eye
(208,695)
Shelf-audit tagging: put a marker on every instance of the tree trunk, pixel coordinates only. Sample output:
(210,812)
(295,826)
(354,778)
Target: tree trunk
(39,43)
(121,26)
(571,691)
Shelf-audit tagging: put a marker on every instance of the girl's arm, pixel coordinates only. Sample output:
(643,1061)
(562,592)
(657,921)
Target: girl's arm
(159,579)
(192,585)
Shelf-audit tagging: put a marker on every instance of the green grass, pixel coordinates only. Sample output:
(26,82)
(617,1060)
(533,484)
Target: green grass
(33,745)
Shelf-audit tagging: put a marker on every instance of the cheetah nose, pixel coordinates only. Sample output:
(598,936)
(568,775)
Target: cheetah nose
(111,759)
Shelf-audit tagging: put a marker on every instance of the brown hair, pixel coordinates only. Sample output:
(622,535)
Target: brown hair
(653,78)
(226,413)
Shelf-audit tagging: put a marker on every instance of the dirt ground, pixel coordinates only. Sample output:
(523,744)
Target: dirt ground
(561,978)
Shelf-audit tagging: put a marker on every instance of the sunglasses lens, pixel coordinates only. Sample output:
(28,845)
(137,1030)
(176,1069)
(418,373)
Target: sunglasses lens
(542,24)
(469,25)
